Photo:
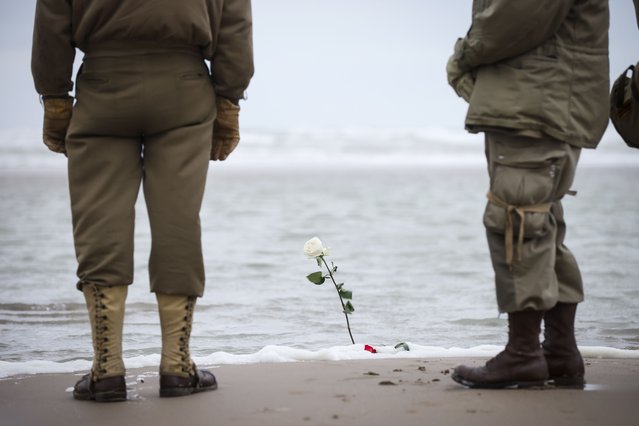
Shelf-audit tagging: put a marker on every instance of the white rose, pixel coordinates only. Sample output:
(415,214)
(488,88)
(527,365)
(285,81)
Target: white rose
(315,248)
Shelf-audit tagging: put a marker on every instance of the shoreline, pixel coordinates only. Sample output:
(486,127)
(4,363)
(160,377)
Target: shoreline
(397,391)
(285,354)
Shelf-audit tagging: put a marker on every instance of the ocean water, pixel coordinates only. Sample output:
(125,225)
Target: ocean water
(400,210)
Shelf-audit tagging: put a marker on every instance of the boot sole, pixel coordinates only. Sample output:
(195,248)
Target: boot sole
(568,382)
(498,385)
(115,396)
(175,392)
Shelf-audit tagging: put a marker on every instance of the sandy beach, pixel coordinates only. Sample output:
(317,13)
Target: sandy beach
(373,392)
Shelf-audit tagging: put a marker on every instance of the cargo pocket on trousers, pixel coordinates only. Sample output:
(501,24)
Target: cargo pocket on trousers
(535,223)
(524,187)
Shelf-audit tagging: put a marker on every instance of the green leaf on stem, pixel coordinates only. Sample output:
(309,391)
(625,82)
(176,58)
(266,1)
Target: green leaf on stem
(339,286)
(345,294)
(316,278)
(348,308)
(319,261)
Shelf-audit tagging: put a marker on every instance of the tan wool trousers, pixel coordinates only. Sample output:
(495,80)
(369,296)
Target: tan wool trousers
(524,222)
(140,119)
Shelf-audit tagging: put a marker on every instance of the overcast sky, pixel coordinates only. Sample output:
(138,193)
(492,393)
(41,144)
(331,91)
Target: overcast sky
(325,63)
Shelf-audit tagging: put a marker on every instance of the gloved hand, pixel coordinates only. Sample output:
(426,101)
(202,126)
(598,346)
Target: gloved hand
(460,79)
(57,115)
(462,83)
(226,129)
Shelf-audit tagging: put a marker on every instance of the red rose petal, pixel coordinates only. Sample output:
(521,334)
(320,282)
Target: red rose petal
(370,349)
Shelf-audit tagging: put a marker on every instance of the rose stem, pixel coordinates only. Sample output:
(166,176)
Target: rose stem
(348,324)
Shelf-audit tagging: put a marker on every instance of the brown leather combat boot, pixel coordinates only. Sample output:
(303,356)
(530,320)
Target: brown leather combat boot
(520,364)
(565,364)
(105,382)
(179,375)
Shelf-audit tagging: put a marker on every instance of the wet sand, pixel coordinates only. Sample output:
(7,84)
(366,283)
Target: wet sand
(373,392)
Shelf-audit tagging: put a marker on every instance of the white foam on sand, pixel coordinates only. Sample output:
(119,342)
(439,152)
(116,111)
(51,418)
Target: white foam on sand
(273,353)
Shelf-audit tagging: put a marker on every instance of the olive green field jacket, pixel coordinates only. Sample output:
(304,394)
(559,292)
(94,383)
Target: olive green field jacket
(540,66)
(221,29)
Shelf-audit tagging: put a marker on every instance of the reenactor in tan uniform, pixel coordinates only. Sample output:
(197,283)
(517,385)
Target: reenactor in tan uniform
(148,112)
(535,75)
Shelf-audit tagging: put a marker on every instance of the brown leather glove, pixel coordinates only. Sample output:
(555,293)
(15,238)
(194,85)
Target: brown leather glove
(57,115)
(226,129)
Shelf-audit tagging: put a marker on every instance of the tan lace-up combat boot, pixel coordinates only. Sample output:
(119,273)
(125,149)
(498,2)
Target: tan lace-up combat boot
(105,382)
(179,376)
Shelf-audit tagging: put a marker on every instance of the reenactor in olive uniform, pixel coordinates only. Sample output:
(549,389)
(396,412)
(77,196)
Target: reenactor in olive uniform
(146,112)
(535,75)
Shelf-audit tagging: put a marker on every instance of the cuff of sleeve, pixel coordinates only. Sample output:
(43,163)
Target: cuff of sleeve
(231,100)
(459,55)
(65,96)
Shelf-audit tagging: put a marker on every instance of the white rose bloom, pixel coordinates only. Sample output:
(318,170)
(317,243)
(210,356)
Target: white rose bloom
(315,248)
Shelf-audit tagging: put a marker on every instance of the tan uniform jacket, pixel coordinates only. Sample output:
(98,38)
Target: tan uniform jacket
(222,29)
(540,66)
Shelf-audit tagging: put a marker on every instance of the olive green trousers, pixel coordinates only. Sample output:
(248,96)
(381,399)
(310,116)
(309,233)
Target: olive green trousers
(140,119)
(524,222)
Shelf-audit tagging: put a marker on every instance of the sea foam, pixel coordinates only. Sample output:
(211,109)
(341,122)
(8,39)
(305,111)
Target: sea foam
(274,353)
